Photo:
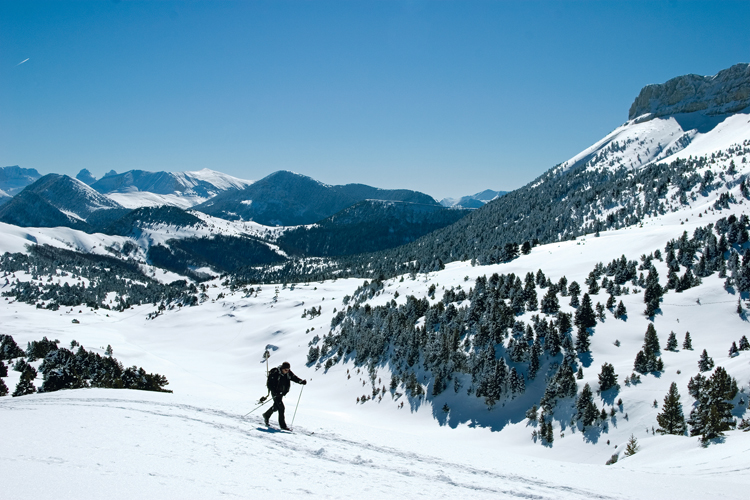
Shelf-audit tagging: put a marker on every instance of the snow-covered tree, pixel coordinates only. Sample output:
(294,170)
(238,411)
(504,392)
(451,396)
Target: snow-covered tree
(705,363)
(671,419)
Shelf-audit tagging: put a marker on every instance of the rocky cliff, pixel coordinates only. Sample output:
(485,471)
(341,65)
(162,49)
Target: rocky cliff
(726,92)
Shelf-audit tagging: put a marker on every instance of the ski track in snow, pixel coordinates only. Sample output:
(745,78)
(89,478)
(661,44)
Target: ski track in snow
(347,456)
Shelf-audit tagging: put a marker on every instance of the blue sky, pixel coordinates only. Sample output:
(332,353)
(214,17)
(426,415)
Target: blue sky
(449,98)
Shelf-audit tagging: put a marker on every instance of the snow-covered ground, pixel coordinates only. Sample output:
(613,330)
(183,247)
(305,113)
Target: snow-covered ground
(198,443)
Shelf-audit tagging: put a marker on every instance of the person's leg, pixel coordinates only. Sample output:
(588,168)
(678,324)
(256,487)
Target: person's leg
(270,411)
(278,404)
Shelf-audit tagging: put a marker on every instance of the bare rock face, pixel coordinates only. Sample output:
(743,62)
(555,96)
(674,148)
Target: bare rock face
(726,92)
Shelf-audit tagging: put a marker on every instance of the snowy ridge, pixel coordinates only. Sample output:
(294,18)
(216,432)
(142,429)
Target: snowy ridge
(635,145)
(137,188)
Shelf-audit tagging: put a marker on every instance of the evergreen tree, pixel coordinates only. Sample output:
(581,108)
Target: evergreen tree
(8,348)
(583,344)
(579,374)
(549,436)
(712,414)
(561,385)
(536,351)
(552,342)
(621,311)
(671,419)
(531,413)
(653,292)
(688,342)
(574,290)
(3,388)
(744,344)
(733,351)
(550,304)
(705,363)
(586,410)
(600,311)
(3,369)
(671,342)
(646,360)
(25,384)
(611,302)
(585,317)
(608,378)
(632,447)
(641,363)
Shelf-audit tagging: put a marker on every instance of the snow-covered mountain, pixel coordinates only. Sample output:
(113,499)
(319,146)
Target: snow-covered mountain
(57,200)
(138,188)
(14,179)
(472,201)
(687,116)
(288,199)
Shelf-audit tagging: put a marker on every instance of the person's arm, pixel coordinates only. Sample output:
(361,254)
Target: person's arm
(295,378)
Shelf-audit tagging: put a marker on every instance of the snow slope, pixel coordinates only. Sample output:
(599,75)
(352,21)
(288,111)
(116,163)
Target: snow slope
(195,443)
(190,189)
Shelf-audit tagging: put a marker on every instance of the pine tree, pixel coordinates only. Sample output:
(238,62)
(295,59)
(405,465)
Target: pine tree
(641,363)
(583,344)
(671,342)
(646,360)
(579,374)
(3,369)
(611,302)
(733,351)
(671,419)
(632,447)
(585,317)
(536,351)
(561,385)
(550,304)
(744,344)
(712,413)
(586,410)
(608,378)
(552,342)
(688,342)
(705,363)
(531,413)
(574,290)
(3,388)
(621,311)
(25,384)
(600,311)
(651,340)
(8,348)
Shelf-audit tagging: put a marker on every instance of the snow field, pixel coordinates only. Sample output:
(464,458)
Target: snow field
(193,443)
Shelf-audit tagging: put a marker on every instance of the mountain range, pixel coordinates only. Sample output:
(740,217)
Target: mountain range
(593,320)
(474,200)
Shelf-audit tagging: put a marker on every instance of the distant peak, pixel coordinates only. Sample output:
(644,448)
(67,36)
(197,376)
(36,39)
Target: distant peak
(85,176)
(726,92)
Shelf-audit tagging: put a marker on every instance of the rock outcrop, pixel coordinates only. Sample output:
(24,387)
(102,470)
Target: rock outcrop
(726,92)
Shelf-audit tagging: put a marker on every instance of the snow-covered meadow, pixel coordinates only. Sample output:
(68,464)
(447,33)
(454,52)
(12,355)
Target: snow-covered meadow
(197,442)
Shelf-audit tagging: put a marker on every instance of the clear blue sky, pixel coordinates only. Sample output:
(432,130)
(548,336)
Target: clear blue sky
(448,98)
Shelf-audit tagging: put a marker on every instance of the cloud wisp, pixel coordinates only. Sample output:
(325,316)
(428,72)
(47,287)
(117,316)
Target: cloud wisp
(23,61)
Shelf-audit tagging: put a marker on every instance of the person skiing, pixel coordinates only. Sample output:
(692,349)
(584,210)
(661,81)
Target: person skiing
(279,380)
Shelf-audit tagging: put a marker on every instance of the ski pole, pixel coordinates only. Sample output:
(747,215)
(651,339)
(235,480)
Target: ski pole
(295,408)
(262,404)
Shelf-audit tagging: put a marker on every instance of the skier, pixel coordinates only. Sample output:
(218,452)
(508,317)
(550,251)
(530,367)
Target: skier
(278,383)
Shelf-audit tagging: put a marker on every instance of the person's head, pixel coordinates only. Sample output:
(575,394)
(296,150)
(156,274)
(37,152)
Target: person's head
(285,367)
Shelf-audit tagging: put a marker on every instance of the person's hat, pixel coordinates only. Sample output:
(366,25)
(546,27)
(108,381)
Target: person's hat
(286,365)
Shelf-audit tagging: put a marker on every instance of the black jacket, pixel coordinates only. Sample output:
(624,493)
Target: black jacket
(278,383)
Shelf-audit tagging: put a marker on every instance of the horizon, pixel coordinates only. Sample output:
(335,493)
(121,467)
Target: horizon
(445,98)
